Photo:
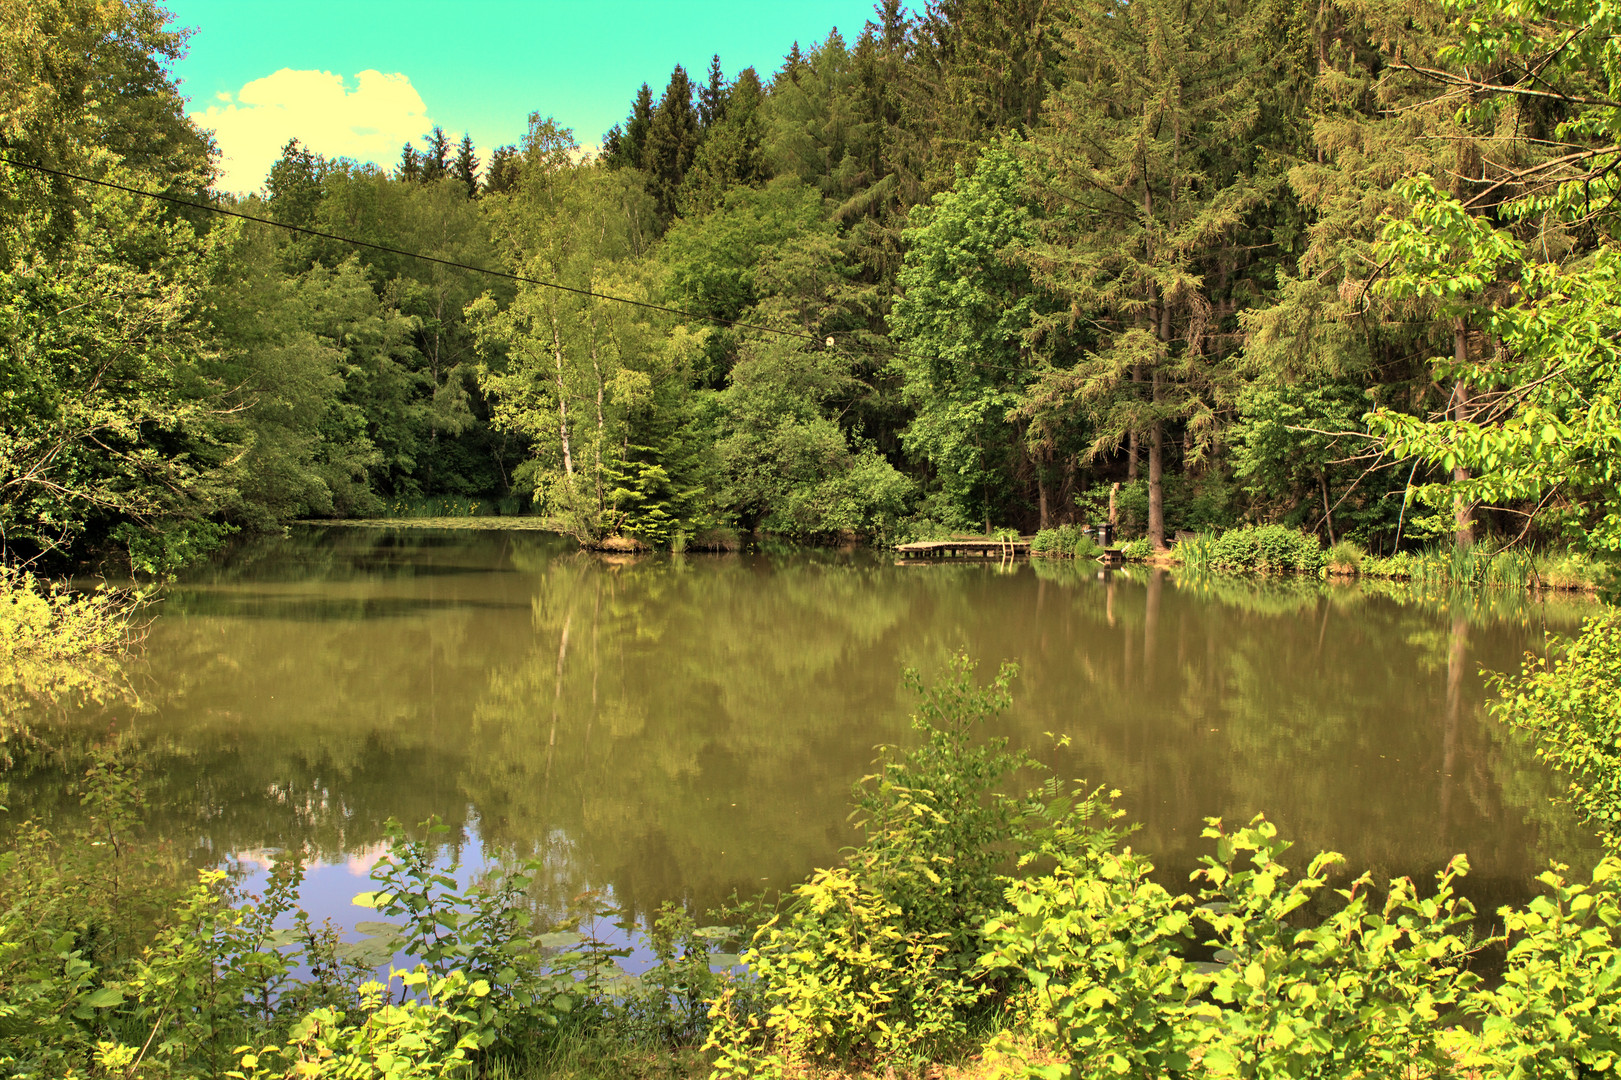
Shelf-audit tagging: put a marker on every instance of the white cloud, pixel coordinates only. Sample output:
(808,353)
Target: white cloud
(368,121)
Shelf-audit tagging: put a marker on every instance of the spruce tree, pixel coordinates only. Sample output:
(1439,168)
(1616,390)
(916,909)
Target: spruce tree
(732,153)
(295,184)
(436,162)
(623,145)
(410,167)
(712,97)
(465,167)
(792,64)
(672,139)
(1149,167)
(502,174)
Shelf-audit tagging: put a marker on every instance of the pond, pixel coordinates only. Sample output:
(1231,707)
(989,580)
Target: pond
(675,727)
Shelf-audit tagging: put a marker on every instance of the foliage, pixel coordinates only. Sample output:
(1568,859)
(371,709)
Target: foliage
(56,642)
(1066,541)
(1266,548)
(1345,557)
(1362,989)
(1295,447)
(1571,706)
(1197,553)
(108,414)
(416,1039)
(1365,990)
(1555,437)
(1556,1010)
(843,980)
(482,933)
(961,322)
(1206,503)
(877,961)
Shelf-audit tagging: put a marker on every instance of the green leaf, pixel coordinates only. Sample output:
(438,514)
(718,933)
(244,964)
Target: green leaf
(105,998)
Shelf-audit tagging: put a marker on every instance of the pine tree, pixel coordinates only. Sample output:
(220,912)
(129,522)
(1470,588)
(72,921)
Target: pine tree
(792,64)
(465,167)
(1152,162)
(410,167)
(502,174)
(892,25)
(672,139)
(731,154)
(624,145)
(712,97)
(436,162)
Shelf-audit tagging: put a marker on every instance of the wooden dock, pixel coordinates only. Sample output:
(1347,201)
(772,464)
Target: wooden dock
(964,549)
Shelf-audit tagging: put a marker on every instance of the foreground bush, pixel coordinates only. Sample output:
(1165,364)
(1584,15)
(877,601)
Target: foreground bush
(1364,991)
(877,963)
(1571,706)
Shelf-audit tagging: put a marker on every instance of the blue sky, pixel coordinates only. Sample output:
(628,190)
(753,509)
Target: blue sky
(358,77)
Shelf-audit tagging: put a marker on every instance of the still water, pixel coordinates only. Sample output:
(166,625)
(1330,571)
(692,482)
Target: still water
(682,727)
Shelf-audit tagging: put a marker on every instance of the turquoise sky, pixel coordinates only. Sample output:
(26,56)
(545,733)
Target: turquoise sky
(480,66)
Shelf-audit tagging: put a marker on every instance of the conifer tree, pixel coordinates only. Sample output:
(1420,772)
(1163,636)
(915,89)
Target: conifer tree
(623,147)
(502,174)
(1151,161)
(410,167)
(732,153)
(791,65)
(672,139)
(712,97)
(436,162)
(465,167)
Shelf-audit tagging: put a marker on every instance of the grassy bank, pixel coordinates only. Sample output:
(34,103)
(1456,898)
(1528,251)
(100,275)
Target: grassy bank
(1278,549)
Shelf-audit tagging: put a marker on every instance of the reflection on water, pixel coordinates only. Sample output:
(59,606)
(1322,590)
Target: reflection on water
(674,727)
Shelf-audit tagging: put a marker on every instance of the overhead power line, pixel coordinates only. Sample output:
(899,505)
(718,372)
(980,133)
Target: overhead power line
(161,197)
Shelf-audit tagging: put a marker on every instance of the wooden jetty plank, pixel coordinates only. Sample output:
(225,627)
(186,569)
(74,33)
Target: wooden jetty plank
(943,549)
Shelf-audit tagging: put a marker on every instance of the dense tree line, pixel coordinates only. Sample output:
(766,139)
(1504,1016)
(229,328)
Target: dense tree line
(969,270)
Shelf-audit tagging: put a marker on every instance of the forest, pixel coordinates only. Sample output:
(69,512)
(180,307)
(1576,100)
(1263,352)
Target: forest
(1283,277)
(968,271)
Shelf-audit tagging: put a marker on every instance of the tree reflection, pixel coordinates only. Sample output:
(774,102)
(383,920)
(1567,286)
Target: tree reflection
(683,727)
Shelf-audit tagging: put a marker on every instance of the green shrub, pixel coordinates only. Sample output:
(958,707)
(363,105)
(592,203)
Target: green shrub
(877,963)
(1571,706)
(1266,548)
(844,980)
(1557,1011)
(55,642)
(1100,945)
(1137,550)
(1058,541)
(428,1036)
(1065,541)
(1567,570)
(1364,991)
(1346,557)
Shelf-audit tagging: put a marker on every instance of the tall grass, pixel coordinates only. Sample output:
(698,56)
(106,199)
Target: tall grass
(431,506)
(1198,552)
(1477,564)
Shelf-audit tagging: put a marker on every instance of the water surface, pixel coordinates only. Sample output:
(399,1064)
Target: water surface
(680,727)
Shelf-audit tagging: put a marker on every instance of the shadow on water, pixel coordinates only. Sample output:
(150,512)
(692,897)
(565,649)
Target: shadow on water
(680,727)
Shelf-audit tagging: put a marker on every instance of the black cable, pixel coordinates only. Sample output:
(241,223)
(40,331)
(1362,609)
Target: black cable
(400,251)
